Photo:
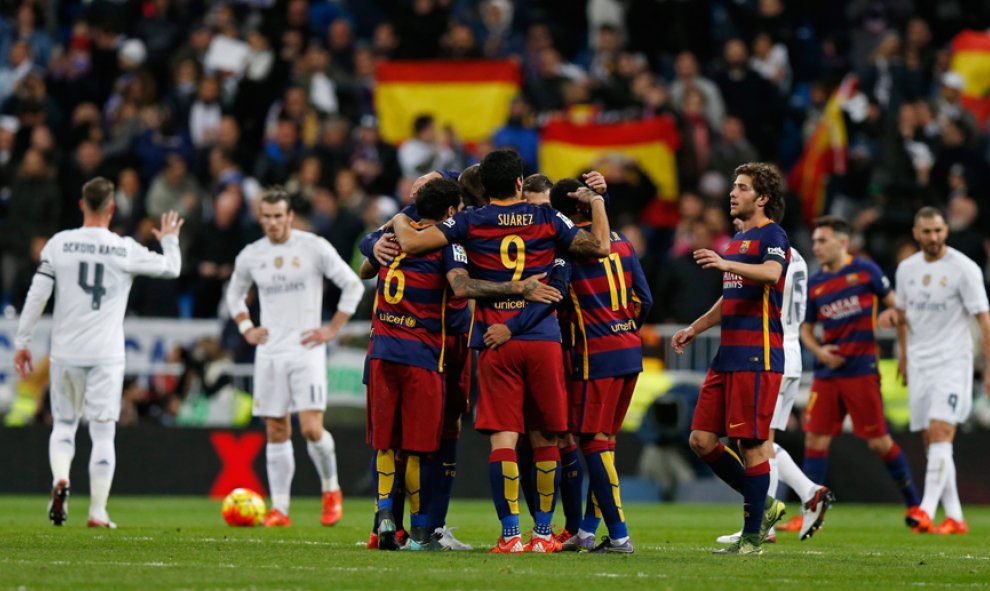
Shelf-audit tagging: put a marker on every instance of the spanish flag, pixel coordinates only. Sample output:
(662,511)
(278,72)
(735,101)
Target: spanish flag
(971,60)
(567,148)
(472,96)
(824,154)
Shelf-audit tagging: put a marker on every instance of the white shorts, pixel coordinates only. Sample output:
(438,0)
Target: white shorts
(91,392)
(943,393)
(785,402)
(283,386)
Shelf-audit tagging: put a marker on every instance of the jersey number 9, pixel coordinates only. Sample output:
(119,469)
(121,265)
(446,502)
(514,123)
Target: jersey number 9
(518,263)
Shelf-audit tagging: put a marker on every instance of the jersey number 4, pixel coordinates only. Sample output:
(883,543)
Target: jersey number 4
(94,289)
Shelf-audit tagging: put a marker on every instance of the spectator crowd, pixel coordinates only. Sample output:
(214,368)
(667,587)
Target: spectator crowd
(196,106)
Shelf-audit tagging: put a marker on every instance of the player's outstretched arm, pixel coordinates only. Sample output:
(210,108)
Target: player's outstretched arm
(767,272)
(707,320)
(531,289)
(417,241)
(142,261)
(597,242)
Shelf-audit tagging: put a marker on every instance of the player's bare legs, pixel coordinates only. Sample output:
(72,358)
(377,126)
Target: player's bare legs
(940,482)
(281,464)
(322,450)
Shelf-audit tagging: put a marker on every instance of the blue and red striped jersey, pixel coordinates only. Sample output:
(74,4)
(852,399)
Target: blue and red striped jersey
(610,297)
(509,241)
(845,303)
(752,334)
(458,314)
(408,324)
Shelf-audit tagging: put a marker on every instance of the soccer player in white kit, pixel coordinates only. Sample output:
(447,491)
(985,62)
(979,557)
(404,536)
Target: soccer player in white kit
(938,289)
(815,499)
(90,269)
(290,374)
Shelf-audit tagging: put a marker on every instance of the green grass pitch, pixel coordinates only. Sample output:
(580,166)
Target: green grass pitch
(182,543)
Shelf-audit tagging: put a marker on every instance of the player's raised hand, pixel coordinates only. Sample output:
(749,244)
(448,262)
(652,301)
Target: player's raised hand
(596,181)
(829,355)
(497,335)
(171,224)
(584,195)
(23,363)
(318,336)
(709,259)
(386,249)
(682,338)
(256,335)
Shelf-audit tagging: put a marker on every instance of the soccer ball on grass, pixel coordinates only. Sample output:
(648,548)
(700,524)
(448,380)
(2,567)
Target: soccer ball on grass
(243,507)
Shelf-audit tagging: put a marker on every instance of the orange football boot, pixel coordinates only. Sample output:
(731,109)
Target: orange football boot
(794,524)
(276,518)
(543,545)
(951,526)
(333,507)
(918,520)
(513,545)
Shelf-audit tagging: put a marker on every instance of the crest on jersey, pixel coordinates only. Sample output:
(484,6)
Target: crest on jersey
(744,247)
(295,262)
(926,280)
(278,262)
(944,281)
(852,278)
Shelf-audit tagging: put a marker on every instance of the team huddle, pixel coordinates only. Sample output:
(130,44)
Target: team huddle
(522,283)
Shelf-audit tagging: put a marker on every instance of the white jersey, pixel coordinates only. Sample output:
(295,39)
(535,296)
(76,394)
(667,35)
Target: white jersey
(92,270)
(289,277)
(792,312)
(939,298)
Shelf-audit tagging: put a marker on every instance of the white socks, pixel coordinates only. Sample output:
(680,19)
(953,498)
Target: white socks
(774,477)
(102,463)
(950,495)
(940,469)
(324,456)
(792,475)
(61,449)
(281,468)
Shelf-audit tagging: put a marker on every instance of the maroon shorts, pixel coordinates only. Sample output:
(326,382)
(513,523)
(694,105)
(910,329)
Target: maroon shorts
(738,404)
(600,405)
(521,388)
(457,380)
(405,407)
(833,398)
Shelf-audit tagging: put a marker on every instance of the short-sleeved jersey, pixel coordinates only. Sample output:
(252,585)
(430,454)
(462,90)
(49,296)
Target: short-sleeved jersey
(752,334)
(509,242)
(289,277)
(458,316)
(939,297)
(93,270)
(846,303)
(792,314)
(408,325)
(608,295)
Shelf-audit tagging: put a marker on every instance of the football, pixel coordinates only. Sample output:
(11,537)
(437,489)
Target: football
(243,508)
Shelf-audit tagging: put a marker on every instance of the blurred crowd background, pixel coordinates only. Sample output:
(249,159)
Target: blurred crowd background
(195,106)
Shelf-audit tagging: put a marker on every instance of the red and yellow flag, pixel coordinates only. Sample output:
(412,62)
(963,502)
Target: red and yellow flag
(567,149)
(971,60)
(824,154)
(472,96)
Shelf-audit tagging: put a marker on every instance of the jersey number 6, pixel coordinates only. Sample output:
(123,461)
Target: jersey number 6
(394,297)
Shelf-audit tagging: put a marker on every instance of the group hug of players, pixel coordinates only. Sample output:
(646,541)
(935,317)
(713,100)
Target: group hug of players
(558,301)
